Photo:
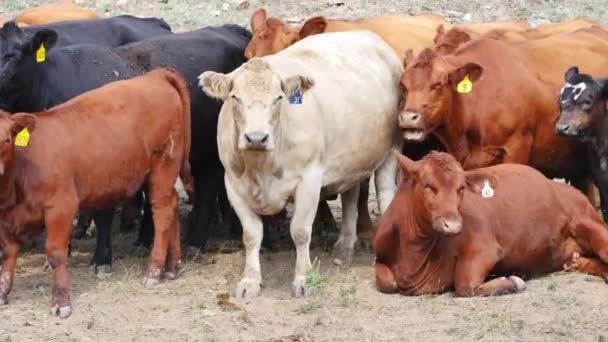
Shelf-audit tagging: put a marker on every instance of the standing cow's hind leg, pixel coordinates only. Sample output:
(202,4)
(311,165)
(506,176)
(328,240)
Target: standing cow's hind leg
(344,248)
(385,179)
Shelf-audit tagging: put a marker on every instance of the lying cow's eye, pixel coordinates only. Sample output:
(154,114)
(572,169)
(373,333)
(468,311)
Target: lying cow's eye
(461,190)
(430,188)
(435,86)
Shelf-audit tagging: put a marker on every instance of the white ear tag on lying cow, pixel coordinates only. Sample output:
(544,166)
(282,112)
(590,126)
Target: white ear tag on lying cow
(465,86)
(487,190)
(41,54)
(22,139)
(296,97)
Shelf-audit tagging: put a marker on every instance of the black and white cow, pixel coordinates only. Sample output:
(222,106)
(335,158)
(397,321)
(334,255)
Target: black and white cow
(583,107)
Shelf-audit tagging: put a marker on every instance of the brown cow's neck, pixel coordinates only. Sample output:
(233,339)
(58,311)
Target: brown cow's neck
(8,193)
(452,133)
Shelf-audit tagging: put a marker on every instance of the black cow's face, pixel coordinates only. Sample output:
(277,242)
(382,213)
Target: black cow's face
(18,52)
(582,103)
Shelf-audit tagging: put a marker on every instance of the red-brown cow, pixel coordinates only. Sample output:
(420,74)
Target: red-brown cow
(451,229)
(494,101)
(138,129)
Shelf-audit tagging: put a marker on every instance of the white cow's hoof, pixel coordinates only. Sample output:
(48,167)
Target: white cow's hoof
(61,312)
(299,288)
(247,289)
(519,283)
(149,282)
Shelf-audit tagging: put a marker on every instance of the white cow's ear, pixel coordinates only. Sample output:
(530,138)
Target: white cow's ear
(215,84)
(294,83)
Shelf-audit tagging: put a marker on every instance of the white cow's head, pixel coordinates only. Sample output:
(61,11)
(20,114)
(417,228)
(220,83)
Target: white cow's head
(256,95)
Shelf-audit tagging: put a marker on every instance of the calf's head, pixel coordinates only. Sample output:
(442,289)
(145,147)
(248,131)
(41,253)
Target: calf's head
(436,186)
(10,126)
(430,87)
(256,96)
(18,51)
(583,104)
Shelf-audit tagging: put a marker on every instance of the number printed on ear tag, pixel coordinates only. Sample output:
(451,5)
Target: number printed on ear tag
(487,190)
(296,97)
(465,86)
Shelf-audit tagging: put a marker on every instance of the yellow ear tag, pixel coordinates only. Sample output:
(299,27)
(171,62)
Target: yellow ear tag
(41,54)
(465,86)
(487,190)
(23,138)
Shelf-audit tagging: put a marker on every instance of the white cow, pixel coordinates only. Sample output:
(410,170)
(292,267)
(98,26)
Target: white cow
(275,151)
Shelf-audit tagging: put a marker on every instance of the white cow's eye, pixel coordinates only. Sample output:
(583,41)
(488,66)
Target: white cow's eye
(234,97)
(279,98)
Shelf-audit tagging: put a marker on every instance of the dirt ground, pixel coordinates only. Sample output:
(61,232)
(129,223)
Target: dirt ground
(345,306)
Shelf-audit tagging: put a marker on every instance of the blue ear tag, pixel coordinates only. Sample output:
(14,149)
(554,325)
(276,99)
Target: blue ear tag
(296,97)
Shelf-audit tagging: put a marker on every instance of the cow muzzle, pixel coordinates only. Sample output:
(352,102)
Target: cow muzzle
(449,226)
(257,141)
(412,126)
(567,130)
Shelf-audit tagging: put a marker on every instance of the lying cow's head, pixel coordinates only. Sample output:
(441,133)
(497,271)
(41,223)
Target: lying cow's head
(256,95)
(430,84)
(436,186)
(447,42)
(10,126)
(583,103)
(271,35)
(18,51)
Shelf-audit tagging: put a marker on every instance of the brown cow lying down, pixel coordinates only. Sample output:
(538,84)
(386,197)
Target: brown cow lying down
(451,229)
(139,130)
(62,10)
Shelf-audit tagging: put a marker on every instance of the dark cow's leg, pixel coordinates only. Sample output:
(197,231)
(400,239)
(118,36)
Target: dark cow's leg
(85,218)
(206,192)
(102,259)
(131,212)
(146,228)
(604,201)
(473,269)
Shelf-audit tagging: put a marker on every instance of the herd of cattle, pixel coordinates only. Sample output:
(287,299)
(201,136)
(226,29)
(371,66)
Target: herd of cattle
(462,127)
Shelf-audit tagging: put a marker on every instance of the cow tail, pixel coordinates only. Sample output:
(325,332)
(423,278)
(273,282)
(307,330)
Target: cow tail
(178,82)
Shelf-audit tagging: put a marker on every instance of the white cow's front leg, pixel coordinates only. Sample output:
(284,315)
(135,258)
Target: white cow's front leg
(345,246)
(253,231)
(306,201)
(385,179)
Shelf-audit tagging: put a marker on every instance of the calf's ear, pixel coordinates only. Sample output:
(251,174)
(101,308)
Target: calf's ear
(571,72)
(258,19)
(408,166)
(293,83)
(477,180)
(315,25)
(45,37)
(409,58)
(215,84)
(473,70)
(21,121)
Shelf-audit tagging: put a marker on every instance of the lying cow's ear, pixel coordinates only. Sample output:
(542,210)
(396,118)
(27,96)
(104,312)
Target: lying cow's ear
(258,19)
(312,26)
(477,180)
(215,84)
(407,165)
(22,121)
(440,33)
(45,37)
(473,70)
(571,72)
(294,83)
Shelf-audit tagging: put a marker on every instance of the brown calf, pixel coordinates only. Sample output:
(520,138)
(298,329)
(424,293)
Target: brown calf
(62,10)
(139,130)
(451,229)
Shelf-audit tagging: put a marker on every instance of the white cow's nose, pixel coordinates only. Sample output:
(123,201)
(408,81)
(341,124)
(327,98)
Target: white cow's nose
(256,140)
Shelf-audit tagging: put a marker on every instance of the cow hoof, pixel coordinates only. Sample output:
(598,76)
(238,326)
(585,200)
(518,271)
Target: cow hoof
(169,275)
(519,283)
(61,312)
(343,253)
(3,300)
(299,288)
(149,282)
(247,289)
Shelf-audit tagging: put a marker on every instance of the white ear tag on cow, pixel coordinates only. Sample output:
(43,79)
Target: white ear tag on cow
(487,190)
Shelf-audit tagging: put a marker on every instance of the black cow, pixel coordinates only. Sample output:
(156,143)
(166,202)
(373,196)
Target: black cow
(113,31)
(583,116)
(72,70)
